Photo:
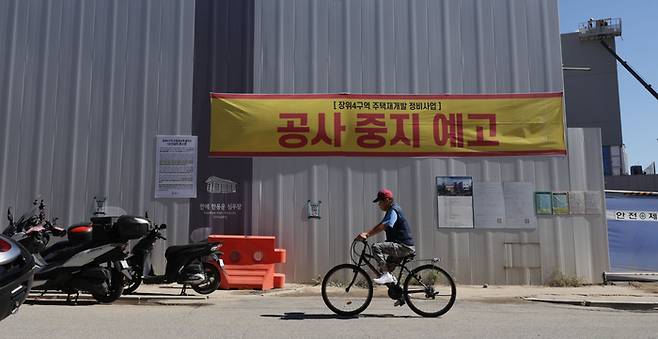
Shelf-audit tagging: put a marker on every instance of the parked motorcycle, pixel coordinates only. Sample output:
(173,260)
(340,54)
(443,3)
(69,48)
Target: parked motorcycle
(33,217)
(16,275)
(196,265)
(32,230)
(91,260)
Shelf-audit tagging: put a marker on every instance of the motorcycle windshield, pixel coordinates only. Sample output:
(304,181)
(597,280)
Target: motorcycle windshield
(113,211)
(27,220)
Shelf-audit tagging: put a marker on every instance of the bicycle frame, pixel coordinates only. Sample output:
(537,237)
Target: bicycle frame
(365,258)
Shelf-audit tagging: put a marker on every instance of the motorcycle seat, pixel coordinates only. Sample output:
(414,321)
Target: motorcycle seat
(174,250)
(63,252)
(58,246)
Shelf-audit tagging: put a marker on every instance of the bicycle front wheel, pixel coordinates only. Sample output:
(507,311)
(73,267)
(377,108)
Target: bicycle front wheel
(347,290)
(429,291)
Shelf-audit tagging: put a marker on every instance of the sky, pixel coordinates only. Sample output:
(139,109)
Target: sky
(638,46)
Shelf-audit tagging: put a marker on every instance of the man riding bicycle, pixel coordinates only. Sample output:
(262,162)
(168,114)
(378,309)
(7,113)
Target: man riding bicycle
(399,242)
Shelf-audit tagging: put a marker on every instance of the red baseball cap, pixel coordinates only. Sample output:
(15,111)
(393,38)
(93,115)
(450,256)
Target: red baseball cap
(383,194)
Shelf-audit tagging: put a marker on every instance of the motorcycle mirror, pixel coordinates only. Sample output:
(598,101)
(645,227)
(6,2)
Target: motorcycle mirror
(163,226)
(42,212)
(10,216)
(146,214)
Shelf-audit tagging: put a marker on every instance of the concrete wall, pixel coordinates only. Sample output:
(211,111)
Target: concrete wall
(592,98)
(645,183)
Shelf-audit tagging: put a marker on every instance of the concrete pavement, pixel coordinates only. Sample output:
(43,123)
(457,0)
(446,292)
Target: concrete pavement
(620,296)
(298,312)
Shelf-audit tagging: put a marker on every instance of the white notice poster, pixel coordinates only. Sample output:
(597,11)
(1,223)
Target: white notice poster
(593,202)
(489,204)
(577,202)
(455,202)
(175,166)
(519,205)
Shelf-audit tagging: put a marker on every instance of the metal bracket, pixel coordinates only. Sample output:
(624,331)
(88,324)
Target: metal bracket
(313,209)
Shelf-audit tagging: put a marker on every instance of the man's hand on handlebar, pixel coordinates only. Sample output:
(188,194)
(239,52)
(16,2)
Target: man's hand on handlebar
(362,236)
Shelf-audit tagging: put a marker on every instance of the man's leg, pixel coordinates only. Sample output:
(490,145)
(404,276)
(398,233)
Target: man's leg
(379,250)
(396,254)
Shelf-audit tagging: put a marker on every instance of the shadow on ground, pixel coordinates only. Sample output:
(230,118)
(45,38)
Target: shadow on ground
(60,302)
(305,316)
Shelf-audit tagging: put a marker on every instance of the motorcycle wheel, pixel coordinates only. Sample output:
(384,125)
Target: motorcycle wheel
(212,282)
(115,288)
(131,286)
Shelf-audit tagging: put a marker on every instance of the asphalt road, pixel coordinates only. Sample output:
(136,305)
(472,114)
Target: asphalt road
(227,315)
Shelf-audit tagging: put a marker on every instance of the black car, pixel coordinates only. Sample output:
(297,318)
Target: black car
(16,275)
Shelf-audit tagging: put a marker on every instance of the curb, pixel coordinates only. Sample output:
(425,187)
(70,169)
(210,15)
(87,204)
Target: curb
(623,305)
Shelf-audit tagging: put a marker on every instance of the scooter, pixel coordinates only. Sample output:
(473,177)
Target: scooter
(99,270)
(196,265)
(16,275)
(95,264)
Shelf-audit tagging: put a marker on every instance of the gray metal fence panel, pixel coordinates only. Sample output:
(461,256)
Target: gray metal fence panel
(417,47)
(85,86)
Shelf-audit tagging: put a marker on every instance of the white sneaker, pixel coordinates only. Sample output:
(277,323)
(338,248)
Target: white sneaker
(385,278)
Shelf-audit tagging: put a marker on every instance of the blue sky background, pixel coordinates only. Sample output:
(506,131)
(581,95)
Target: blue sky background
(638,46)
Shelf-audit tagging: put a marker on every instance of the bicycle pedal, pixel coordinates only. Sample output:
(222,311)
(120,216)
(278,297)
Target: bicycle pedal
(399,302)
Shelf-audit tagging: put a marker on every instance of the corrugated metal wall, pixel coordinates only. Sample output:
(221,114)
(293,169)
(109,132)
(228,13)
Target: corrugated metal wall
(84,88)
(467,46)
(575,245)
(422,46)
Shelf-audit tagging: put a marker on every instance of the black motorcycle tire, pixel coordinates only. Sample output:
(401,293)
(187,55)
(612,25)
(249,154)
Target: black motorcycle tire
(115,288)
(130,286)
(213,275)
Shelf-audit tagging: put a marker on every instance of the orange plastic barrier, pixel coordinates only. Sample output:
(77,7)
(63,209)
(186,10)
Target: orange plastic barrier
(249,262)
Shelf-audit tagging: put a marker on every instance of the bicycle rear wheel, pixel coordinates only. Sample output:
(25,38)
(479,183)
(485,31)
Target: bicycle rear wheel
(429,291)
(347,289)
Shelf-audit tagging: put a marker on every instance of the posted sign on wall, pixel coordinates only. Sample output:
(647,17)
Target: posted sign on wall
(176,158)
(387,125)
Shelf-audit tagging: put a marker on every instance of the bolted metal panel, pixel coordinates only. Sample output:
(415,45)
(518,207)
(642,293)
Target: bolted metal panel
(370,46)
(85,86)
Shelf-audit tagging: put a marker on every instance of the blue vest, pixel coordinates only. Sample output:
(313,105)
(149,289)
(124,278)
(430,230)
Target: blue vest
(401,231)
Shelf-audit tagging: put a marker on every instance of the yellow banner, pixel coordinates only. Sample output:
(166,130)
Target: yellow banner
(386,125)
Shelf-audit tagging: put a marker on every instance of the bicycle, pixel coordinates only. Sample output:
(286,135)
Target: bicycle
(348,290)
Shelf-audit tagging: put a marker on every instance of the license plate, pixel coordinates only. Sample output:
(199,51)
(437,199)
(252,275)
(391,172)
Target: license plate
(124,264)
